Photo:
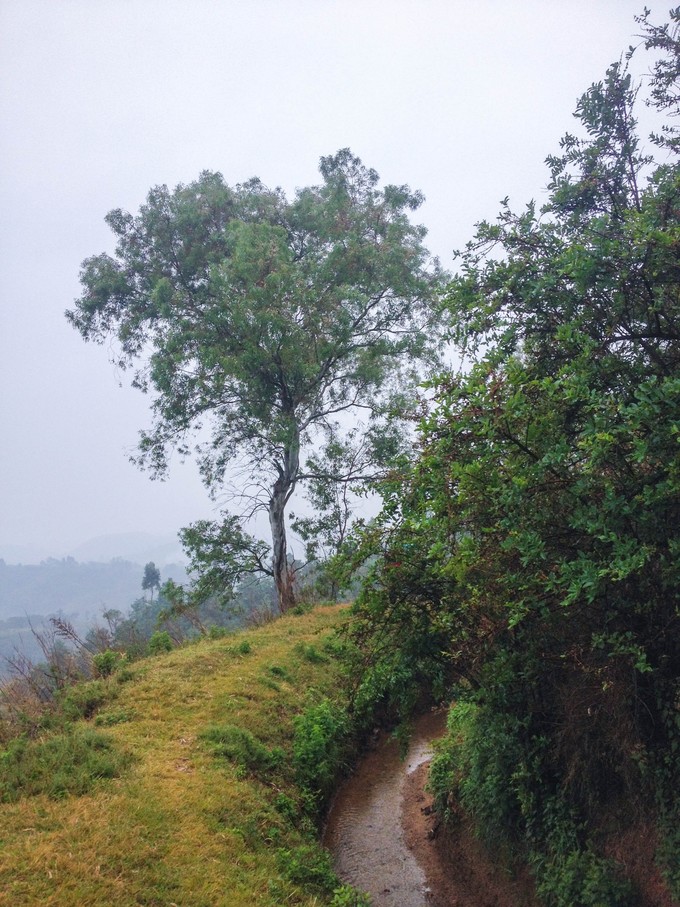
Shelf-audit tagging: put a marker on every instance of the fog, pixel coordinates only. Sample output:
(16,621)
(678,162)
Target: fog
(99,101)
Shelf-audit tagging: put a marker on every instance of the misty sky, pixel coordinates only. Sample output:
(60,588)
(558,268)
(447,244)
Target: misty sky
(102,99)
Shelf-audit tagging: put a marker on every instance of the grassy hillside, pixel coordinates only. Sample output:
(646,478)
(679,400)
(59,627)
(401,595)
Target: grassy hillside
(202,814)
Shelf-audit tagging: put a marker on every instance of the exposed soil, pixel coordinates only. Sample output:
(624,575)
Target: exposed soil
(459,872)
(363,831)
(635,850)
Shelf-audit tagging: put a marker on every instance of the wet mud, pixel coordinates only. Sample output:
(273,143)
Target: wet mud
(364,830)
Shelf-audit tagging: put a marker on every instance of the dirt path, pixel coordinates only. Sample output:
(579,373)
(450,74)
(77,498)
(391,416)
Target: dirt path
(364,831)
(382,834)
(386,840)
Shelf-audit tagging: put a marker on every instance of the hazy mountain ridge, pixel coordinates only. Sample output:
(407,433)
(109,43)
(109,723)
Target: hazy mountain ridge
(80,592)
(70,586)
(137,547)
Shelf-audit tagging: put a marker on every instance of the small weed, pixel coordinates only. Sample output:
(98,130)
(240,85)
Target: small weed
(310,866)
(278,671)
(286,807)
(111,718)
(269,684)
(310,653)
(346,896)
(125,675)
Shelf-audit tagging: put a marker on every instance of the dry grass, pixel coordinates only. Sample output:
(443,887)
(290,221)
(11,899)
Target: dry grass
(180,827)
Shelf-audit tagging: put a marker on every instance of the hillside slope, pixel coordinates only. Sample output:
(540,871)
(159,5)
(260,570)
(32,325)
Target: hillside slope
(183,825)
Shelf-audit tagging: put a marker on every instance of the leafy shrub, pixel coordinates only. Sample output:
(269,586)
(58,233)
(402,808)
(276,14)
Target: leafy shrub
(83,699)
(669,848)
(160,642)
(244,648)
(335,647)
(240,746)
(105,663)
(585,879)
(308,866)
(62,764)
(286,807)
(320,748)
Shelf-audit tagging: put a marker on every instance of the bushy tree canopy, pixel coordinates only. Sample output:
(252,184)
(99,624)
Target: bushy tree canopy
(262,319)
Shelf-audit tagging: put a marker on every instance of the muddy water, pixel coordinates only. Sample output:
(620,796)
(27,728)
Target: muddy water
(364,831)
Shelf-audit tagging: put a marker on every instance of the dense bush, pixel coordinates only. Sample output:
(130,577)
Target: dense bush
(160,642)
(320,749)
(105,663)
(531,556)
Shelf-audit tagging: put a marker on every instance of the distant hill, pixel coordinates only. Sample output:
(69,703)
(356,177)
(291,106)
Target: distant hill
(138,547)
(71,587)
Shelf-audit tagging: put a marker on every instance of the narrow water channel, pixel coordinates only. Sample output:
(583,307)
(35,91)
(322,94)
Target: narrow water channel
(364,829)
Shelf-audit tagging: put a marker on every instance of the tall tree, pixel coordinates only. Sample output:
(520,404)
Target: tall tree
(263,319)
(151,579)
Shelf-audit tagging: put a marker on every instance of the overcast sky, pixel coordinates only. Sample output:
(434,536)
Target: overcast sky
(102,99)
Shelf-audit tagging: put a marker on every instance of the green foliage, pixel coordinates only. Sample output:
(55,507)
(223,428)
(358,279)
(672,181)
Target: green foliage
(582,878)
(320,749)
(482,765)
(531,556)
(346,896)
(105,663)
(668,850)
(110,718)
(241,747)
(58,765)
(308,865)
(287,807)
(160,642)
(310,653)
(82,700)
(151,579)
(260,319)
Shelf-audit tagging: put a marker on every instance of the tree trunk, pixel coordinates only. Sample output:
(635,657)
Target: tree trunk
(281,492)
(283,575)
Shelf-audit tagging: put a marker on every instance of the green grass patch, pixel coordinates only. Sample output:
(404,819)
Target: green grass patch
(241,747)
(59,765)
